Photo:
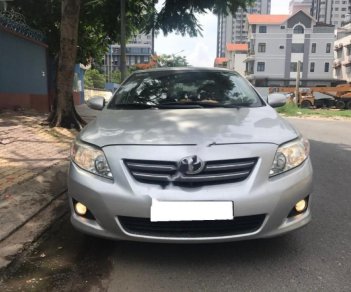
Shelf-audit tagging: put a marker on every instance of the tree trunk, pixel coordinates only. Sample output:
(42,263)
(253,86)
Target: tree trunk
(64,114)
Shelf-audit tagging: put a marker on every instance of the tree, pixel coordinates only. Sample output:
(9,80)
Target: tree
(65,114)
(164,61)
(94,79)
(172,61)
(116,77)
(98,21)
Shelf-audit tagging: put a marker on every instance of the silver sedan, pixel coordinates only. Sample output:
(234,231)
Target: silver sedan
(189,155)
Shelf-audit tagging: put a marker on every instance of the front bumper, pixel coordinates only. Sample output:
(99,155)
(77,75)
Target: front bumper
(273,197)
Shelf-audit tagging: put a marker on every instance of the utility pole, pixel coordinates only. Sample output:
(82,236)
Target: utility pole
(297,89)
(123,40)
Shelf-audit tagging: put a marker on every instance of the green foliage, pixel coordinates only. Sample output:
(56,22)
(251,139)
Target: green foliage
(171,61)
(180,15)
(94,79)
(116,77)
(100,20)
(291,109)
(98,27)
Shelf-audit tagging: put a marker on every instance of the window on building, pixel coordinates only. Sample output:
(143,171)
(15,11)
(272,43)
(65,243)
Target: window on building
(282,26)
(348,51)
(327,49)
(262,29)
(260,67)
(281,47)
(314,47)
(298,29)
(343,16)
(312,67)
(326,67)
(336,9)
(253,28)
(261,47)
(297,48)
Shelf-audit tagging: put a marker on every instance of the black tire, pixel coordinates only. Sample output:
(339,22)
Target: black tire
(348,105)
(306,104)
(340,104)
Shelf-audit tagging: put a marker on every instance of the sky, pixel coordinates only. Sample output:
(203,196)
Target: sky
(201,51)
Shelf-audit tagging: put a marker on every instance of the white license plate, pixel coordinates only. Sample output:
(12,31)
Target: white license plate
(191,210)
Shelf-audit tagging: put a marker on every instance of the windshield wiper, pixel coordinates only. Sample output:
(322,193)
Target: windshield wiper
(238,105)
(201,104)
(134,106)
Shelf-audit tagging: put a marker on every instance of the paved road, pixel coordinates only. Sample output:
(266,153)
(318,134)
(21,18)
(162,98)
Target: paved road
(316,258)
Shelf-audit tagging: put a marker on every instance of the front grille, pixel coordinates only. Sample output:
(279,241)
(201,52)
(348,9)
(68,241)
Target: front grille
(166,172)
(191,229)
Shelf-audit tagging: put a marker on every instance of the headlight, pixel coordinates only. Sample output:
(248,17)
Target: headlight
(290,155)
(90,159)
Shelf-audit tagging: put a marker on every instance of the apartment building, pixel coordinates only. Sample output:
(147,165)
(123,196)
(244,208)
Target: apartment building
(334,12)
(297,5)
(138,51)
(342,54)
(232,28)
(277,43)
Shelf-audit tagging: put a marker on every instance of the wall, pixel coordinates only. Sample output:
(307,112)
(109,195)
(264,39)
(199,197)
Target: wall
(23,72)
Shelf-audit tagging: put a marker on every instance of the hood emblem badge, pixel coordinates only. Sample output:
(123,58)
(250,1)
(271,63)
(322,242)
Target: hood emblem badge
(191,165)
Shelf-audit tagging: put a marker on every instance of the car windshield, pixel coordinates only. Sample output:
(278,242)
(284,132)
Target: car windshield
(185,89)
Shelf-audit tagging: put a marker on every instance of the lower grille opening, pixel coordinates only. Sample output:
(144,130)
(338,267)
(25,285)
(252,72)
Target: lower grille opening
(191,229)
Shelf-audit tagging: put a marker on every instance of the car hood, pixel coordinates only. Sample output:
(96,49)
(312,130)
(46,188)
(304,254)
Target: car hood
(188,126)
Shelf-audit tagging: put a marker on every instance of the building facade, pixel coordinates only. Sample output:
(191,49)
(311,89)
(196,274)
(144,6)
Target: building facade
(334,12)
(342,55)
(138,51)
(232,28)
(297,5)
(293,39)
(236,55)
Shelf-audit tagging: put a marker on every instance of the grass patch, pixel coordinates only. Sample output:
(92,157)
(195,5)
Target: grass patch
(292,110)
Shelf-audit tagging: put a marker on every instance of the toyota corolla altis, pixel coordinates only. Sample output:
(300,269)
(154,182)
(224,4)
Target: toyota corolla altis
(189,155)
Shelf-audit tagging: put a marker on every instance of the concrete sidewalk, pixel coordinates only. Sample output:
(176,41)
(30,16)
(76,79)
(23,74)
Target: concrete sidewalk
(33,169)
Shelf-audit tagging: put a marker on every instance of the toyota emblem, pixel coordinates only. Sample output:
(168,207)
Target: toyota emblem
(191,165)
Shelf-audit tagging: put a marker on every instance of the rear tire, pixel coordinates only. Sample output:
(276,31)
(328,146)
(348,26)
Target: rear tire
(348,105)
(340,104)
(306,104)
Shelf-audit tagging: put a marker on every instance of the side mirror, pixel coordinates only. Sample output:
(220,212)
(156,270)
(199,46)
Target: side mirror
(96,103)
(276,99)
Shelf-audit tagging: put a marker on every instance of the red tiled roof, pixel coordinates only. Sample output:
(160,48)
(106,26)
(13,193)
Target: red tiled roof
(220,61)
(237,47)
(266,18)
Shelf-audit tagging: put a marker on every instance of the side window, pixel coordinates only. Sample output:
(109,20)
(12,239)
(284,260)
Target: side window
(312,67)
(262,29)
(261,47)
(298,29)
(327,49)
(326,67)
(260,67)
(314,45)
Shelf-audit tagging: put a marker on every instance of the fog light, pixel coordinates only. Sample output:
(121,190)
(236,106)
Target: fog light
(301,206)
(80,209)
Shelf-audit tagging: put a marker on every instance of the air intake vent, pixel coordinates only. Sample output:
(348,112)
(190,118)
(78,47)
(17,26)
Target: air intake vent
(191,229)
